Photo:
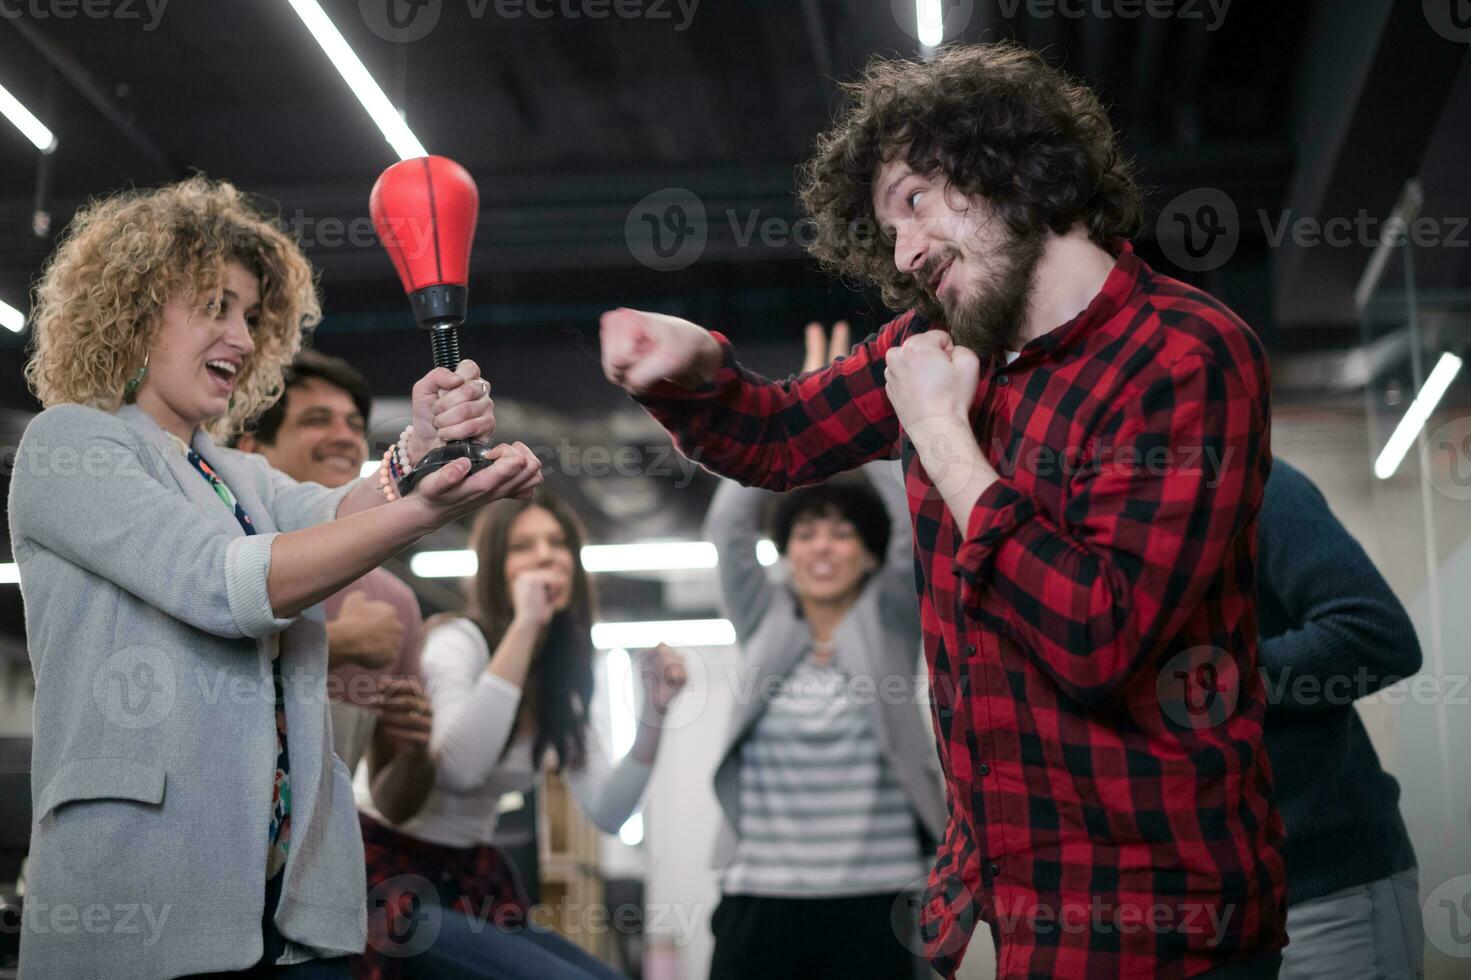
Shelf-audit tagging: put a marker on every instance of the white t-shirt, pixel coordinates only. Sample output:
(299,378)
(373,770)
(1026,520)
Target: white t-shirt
(474,712)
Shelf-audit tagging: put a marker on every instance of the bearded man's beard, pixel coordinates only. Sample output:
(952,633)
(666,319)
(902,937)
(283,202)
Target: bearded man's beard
(989,319)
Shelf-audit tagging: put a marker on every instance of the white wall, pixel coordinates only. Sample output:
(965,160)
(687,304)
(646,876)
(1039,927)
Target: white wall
(682,818)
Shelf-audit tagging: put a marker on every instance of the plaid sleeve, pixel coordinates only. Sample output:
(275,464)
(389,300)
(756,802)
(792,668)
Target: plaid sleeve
(950,904)
(1096,592)
(784,434)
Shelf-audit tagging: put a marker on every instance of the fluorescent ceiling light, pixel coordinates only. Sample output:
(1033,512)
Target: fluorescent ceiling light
(444,564)
(9,573)
(347,63)
(649,556)
(10,318)
(929,18)
(675,632)
(1417,415)
(33,129)
(632,833)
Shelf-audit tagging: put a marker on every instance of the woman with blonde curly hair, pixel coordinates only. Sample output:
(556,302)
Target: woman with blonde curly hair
(189,816)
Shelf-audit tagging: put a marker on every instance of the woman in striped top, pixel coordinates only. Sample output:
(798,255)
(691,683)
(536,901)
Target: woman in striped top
(829,781)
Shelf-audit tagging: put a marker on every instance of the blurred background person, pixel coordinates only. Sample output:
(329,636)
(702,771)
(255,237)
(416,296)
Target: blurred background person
(511,682)
(829,782)
(1333,632)
(317,432)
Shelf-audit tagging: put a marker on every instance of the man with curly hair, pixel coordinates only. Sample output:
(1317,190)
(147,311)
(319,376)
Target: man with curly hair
(1085,444)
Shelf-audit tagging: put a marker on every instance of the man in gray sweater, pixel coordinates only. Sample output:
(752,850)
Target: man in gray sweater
(1332,632)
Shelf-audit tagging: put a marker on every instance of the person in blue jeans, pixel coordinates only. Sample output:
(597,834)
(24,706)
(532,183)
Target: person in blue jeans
(469,950)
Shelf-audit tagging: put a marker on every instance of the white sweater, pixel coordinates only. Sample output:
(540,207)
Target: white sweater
(474,712)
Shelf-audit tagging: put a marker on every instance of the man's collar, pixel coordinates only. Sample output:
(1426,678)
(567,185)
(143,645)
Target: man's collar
(1122,280)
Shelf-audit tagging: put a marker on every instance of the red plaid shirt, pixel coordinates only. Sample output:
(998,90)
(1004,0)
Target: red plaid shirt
(1090,629)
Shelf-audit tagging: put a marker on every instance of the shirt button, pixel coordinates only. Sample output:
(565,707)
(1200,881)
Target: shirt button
(993,869)
(1003,380)
(983,769)
(970,651)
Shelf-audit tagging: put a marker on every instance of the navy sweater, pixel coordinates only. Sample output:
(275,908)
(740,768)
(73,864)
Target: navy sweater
(1332,632)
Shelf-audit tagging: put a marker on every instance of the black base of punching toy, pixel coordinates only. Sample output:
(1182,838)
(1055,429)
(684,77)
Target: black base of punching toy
(437,458)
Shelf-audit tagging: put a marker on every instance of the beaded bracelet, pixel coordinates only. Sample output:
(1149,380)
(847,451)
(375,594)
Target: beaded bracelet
(387,485)
(402,445)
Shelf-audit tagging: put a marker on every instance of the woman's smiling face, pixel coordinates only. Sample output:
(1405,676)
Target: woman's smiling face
(827,558)
(199,354)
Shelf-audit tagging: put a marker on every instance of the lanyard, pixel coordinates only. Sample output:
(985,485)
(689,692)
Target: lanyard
(212,478)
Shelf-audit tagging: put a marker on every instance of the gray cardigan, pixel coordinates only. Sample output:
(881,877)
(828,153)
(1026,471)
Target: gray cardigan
(879,637)
(149,630)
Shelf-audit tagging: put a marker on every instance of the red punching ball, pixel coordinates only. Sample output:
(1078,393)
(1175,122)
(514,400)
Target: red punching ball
(425,211)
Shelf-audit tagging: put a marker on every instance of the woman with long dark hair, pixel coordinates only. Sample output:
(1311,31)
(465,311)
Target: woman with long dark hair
(511,683)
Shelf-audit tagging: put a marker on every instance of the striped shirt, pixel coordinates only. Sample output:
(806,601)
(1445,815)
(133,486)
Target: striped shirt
(821,814)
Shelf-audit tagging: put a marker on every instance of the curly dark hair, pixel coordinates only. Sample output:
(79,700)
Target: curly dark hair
(997,121)
(850,497)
